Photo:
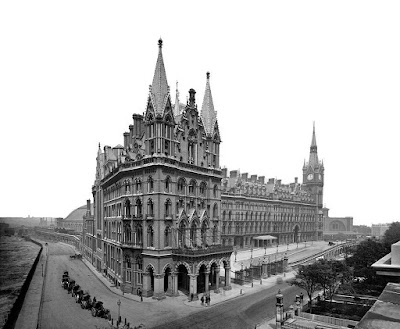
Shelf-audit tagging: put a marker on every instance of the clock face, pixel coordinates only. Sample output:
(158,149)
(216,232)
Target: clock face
(310,176)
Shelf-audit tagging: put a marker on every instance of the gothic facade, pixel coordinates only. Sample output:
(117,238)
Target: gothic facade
(256,213)
(166,217)
(157,198)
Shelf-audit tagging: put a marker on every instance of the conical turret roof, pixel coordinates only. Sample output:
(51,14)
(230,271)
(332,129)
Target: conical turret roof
(159,90)
(208,114)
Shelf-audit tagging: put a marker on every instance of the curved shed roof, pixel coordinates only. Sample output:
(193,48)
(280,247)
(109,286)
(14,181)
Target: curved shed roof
(78,213)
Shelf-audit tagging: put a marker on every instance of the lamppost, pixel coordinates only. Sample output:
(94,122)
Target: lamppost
(305,243)
(119,307)
(241,265)
(288,246)
(277,246)
(265,249)
(235,253)
(251,256)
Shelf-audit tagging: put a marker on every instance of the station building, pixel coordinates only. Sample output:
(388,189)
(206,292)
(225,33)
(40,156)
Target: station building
(166,217)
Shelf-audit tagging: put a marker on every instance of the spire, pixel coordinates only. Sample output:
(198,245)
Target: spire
(208,114)
(159,90)
(177,109)
(313,162)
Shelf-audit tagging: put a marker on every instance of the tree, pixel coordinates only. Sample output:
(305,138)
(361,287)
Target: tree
(365,254)
(307,278)
(392,234)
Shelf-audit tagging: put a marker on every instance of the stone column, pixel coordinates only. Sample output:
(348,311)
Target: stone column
(217,280)
(207,279)
(147,292)
(159,287)
(227,278)
(193,286)
(170,290)
(174,279)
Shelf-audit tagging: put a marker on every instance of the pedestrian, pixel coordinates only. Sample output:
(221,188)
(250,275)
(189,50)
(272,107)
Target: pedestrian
(141,298)
(94,299)
(202,300)
(209,300)
(191,297)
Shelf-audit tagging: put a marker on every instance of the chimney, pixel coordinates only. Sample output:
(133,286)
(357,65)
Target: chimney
(224,172)
(261,179)
(254,178)
(192,99)
(296,179)
(126,140)
(137,125)
(271,181)
(88,207)
(244,176)
(233,173)
(278,182)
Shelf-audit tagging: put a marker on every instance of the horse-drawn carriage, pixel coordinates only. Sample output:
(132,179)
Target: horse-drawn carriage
(78,296)
(75,290)
(99,310)
(86,302)
(70,286)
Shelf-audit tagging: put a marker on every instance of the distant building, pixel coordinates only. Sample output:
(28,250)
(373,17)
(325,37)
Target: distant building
(378,230)
(74,221)
(336,225)
(362,230)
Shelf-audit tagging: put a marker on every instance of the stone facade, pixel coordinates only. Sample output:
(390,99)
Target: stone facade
(157,199)
(336,225)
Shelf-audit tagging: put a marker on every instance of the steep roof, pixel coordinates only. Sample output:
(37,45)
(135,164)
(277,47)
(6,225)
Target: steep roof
(208,114)
(159,90)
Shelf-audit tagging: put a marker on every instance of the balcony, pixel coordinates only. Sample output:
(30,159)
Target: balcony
(200,252)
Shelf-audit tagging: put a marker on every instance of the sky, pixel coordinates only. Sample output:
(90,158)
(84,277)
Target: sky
(72,73)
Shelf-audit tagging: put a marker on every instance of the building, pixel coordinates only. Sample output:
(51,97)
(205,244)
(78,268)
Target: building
(362,230)
(157,198)
(157,225)
(337,226)
(256,213)
(73,221)
(378,230)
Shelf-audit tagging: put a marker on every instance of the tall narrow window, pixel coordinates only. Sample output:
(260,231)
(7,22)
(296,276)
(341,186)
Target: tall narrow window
(150,236)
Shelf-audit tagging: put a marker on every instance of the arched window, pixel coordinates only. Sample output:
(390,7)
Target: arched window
(192,187)
(204,233)
(215,211)
(150,184)
(150,236)
(127,188)
(168,206)
(215,233)
(167,184)
(202,189)
(138,186)
(223,215)
(127,209)
(215,191)
(150,208)
(182,234)
(181,186)
(193,234)
(139,234)
(138,208)
(167,236)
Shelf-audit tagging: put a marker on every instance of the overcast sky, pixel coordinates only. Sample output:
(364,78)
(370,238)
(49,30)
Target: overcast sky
(72,73)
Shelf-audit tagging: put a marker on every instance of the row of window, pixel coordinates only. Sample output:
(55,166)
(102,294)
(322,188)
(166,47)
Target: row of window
(243,206)
(266,216)
(229,228)
(136,187)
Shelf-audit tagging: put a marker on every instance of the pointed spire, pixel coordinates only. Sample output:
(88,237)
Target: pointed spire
(177,110)
(159,90)
(208,114)
(313,162)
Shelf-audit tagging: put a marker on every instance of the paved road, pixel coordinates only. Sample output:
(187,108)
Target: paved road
(241,313)
(59,309)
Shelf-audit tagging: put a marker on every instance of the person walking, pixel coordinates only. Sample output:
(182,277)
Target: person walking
(202,300)
(209,300)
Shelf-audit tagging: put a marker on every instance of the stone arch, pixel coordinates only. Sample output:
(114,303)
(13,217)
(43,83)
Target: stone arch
(168,265)
(148,267)
(184,264)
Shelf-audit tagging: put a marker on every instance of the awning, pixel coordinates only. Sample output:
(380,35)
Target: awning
(265,237)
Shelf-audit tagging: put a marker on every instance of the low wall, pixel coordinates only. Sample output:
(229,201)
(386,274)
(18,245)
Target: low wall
(13,315)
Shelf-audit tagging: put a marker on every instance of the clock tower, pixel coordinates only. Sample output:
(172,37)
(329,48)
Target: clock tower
(313,173)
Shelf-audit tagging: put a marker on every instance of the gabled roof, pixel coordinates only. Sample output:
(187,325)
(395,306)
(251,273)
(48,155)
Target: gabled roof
(159,90)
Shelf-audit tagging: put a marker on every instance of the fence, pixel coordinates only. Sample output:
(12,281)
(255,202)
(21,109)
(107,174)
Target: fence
(329,320)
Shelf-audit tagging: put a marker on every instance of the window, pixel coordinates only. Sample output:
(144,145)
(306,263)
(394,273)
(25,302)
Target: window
(203,189)
(138,208)
(167,184)
(150,208)
(150,184)
(215,191)
(168,206)
(181,186)
(215,211)
(150,236)
(192,187)
(167,237)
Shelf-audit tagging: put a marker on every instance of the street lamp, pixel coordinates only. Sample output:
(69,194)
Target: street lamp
(288,246)
(277,246)
(119,307)
(305,243)
(241,265)
(251,256)
(265,249)
(235,253)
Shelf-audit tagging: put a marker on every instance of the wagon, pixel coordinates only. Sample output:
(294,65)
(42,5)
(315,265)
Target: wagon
(99,310)
(71,284)
(86,302)
(75,290)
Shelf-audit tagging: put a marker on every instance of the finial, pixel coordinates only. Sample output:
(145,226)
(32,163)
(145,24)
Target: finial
(160,43)
(208,75)
(99,145)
